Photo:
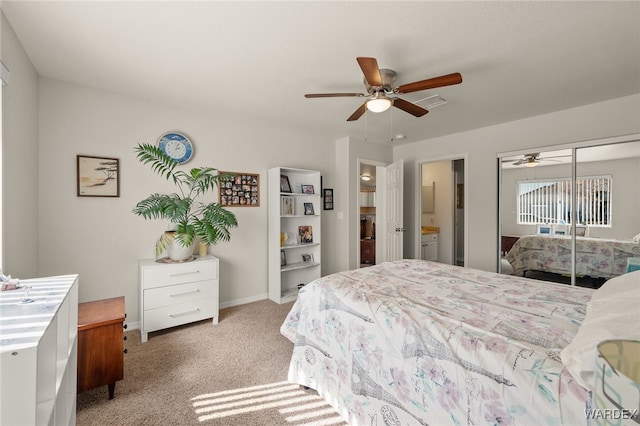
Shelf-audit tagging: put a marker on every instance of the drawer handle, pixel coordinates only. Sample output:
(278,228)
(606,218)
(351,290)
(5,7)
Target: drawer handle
(184,313)
(186,292)
(184,273)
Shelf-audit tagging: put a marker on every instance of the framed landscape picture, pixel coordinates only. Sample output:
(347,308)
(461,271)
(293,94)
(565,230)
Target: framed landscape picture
(97,176)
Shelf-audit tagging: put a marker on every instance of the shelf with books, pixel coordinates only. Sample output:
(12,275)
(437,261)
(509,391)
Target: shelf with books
(294,230)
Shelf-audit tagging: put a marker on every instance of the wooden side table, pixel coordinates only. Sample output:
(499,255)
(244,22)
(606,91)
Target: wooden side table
(101,344)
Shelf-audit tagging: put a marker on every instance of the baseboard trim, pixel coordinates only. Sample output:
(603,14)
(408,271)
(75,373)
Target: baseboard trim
(244,301)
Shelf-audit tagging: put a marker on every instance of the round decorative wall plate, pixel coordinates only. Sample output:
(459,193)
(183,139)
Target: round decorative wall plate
(177,146)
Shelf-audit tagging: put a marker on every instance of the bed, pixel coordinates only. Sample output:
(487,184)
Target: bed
(418,342)
(595,257)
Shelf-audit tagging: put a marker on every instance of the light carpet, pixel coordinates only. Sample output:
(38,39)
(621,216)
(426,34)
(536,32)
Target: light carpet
(232,373)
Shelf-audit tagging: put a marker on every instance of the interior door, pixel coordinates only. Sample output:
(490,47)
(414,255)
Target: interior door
(394,229)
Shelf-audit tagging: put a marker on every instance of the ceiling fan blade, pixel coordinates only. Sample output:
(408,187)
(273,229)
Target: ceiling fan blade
(332,95)
(517,163)
(358,113)
(430,83)
(409,107)
(370,70)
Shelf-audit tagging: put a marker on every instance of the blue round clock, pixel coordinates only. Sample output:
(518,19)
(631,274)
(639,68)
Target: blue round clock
(177,146)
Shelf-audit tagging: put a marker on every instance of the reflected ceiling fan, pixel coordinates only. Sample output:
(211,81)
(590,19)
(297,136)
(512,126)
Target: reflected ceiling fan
(380,90)
(533,159)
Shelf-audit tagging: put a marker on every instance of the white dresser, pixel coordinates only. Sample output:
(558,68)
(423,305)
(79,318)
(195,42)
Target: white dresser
(173,294)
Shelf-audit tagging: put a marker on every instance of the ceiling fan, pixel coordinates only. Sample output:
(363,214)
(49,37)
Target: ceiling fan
(380,90)
(533,159)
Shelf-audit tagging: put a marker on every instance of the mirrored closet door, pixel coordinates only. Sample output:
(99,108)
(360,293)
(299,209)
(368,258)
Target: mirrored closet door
(543,236)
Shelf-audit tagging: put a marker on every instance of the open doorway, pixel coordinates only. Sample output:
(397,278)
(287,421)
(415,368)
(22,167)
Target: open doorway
(379,212)
(367,213)
(442,216)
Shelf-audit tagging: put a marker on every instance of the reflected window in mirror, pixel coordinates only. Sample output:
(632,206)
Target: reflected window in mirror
(536,195)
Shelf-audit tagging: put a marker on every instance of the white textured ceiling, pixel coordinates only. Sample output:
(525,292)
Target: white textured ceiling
(257,59)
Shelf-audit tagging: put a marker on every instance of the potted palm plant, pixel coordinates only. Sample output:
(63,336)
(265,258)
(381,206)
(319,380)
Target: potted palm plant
(190,218)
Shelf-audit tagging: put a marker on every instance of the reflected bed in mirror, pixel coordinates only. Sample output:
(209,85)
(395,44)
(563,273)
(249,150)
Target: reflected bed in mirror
(608,205)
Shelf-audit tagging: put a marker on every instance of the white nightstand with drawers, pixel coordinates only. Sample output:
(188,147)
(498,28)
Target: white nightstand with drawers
(173,294)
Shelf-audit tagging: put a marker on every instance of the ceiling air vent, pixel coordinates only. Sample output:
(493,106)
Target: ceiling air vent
(431,102)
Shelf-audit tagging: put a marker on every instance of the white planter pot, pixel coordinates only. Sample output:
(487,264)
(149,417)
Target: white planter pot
(177,252)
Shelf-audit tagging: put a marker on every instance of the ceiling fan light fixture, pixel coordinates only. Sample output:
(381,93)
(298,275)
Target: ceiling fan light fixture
(379,103)
(531,163)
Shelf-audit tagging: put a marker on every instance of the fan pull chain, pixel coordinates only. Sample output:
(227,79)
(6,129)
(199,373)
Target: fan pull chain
(365,126)
(391,124)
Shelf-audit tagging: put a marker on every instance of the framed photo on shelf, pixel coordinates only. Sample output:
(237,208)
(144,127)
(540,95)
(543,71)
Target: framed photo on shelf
(307,189)
(98,176)
(283,258)
(285,186)
(308,209)
(287,206)
(305,234)
(307,258)
(239,189)
(327,198)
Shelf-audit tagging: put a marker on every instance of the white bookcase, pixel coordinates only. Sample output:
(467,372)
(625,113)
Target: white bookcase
(289,214)
(39,352)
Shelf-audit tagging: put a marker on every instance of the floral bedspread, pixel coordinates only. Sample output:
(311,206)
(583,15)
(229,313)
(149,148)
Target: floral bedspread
(415,342)
(595,257)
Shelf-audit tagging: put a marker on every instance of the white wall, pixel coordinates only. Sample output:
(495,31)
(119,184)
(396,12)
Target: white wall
(19,159)
(605,119)
(100,238)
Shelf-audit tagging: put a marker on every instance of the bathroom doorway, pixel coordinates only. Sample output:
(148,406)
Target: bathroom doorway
(442,216)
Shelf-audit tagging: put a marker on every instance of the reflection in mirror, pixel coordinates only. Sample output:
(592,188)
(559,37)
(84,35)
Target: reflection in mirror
(608,209)
(428,200)
(535,205)
(537,221)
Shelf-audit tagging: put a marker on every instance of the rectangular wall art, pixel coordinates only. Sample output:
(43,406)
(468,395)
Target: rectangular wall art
(98,176)
(239,189)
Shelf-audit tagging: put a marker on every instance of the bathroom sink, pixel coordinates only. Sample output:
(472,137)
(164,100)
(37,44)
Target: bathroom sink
(430,230)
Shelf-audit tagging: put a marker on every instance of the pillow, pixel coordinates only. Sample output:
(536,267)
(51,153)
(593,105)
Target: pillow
(612,313)
(636,239)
